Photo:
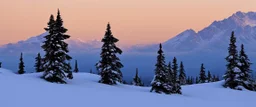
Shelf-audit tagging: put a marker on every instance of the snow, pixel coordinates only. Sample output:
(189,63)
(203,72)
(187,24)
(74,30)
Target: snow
(237,70)
(29,90)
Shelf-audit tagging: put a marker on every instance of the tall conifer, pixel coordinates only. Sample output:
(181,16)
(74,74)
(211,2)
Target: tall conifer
(160,82)
(202,76)
(244,64)
(56,51)
(182,75)
(110,65)
(176,88)
(39,63)
(230,76)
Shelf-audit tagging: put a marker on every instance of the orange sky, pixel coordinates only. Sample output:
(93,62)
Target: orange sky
(133,21)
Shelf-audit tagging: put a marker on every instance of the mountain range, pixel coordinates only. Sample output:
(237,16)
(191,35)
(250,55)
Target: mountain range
(33,44)
(215,37)
(208,46)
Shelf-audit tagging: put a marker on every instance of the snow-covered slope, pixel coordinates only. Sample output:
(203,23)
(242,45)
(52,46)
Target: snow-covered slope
(29,90)
(215,37)
(32,45)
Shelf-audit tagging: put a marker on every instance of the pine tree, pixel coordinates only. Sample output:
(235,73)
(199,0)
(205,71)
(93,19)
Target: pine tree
(0,64)
(213,78)
(91,71)
(182,75)
(76,67)
(56,51)
(197,80)
(124,82)
(110,65)
(169,72)
(202,76)
(192,80)
(21,65)
(230,76)
(244,65)
(39,63)
(175,81)
(70,74)
(209,77)
(160,82)
(188,80)
(136,80)
(217,78)
(174,70)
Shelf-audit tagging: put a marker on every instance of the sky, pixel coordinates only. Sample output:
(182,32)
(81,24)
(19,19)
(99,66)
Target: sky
(132,21)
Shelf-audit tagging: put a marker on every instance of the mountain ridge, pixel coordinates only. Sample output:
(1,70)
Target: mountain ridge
(33,44)
(214,37)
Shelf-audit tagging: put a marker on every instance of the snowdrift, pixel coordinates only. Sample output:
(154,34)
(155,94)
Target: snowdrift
(29,90)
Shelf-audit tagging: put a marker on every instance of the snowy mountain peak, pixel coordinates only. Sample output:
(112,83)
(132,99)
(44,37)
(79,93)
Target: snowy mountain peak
(215,36)
(187,32)
(239,14)
(244,19)
(36,39)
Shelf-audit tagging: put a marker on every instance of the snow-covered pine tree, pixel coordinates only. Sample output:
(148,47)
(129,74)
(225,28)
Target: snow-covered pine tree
(76,67)
(160,82)
(174,70)
(136,80)
(56,51)
(169,71)
(21,65)
(182,75)
(70,74)
(109,66)
(39,64)
(245,79)
(209,77)
(230,76)
(202,76)
(175,80)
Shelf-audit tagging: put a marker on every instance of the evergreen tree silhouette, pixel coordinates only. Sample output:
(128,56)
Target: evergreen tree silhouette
(230,76)
(136,80)
(39,63)
(209,77)
(160,82)
(244,64)
(182,75)
(110,65)
(202,76)
(76,67)
(21,65)
(56,51)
